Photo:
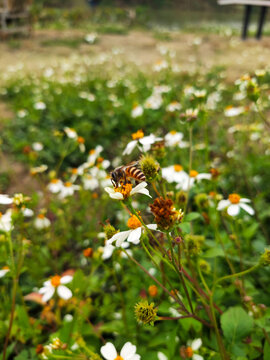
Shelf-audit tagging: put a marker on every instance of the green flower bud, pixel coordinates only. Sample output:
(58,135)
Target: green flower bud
(145,313)
(253,92)
(265,258)
(201,200)
(149,167)
(181,199)
(110,231)
(194,244)
(204,266)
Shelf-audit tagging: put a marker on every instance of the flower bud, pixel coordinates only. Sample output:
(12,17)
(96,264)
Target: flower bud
(265,258)
(149,167)
(109,231)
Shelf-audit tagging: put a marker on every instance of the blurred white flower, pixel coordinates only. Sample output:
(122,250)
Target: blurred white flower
(39,169)
(173,106)
(175,173)
(67,189)
(94,154)
(41,222)
(191,178)
(153,102)
(40,105)
(137,111)
(140,139)
(4,271)
(71,133)
(234,203)
(37,146)
(6,221)
(128,352)
(160,65)
(56,283)
(5,199)
(55,185)
(231,111)
(90,38)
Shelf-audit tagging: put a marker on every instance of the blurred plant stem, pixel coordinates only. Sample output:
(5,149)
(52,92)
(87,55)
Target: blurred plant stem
(189,165)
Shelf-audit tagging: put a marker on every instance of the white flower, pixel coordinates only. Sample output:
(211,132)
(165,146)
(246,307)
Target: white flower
(94,154)
(160,65)
(127,191)
(27,212)
(90,38)
(89,182)
(37,146)
(154,102)
(68,189)
(174,138)
(234,203)
(71,133)
(41,222)
(175,173)
(133,235)
(173,106)
(194,345)
(191,178)
(39,169)
(108,250)
(40,105)
(231,111)
(55,185)
(6,221)
(137,111)
(140,139)
(56,283)
(128,352)
(5,199)
(162,356)
(3,271)
(22,113)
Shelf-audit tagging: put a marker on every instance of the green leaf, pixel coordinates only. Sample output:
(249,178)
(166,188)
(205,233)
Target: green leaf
(266,351)
(236,324)
(192,216)
(185,227)
(214,252)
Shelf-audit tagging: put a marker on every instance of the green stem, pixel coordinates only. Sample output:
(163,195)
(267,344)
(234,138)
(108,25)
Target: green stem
(189,166)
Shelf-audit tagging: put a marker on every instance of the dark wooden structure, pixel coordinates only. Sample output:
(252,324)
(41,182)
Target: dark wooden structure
(249,4)
(14,17)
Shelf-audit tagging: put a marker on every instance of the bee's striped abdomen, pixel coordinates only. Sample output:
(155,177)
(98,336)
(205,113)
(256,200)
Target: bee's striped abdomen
(135,173)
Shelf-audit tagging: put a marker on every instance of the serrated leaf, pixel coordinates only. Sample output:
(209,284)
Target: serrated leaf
(236,324)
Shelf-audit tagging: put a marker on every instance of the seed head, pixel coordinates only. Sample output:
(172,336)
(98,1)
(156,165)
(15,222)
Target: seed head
(201,201)
(204,266)
(165,213)
(265,258)
(194,244)
(145,313)
(109,231)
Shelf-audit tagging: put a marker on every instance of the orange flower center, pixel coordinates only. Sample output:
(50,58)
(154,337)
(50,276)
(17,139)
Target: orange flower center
(54,181)
(173,132)
(88,252)
(178,168)
(100,159)
(55,280)
(125,189)
(133,222)
(137,135)
(41,216)
(193,173)
(68,184)
(1,214)
(153,290)
(234,198)
(189,352)
(91,152)
(5,268)
(74,171)
(80,140)
(118,357)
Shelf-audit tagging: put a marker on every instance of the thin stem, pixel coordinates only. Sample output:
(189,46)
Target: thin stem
(189,166)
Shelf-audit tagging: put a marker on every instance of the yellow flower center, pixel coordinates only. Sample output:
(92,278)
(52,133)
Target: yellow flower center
(137,135)
(5,268)
(173,132)
(133,222)
(54,181)
(125,189)
(68,184)
(41,216)
(55,280)
(234,198)
(118,357)
(178,168)
(1,214)
(193,173)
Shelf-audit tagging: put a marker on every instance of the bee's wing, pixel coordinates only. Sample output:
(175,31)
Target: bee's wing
(132,163)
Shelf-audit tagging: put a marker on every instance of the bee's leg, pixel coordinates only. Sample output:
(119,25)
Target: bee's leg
(137,182)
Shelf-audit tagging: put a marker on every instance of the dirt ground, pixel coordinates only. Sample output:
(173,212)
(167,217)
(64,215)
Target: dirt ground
(191,52)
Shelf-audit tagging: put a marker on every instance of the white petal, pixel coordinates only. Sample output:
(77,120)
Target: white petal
(233,209)
(117,196)
(197,357)
(130,147)
(203,176)
(135,235)
(138,187)
(161,356)
(44,289)
(152,226)
(3,272)
(128,350)
(196,344)
(108,351)
(109,190)
(245,200)
(145,192)
(135,357)
(64,292)
(107,251)
(223,204)
(66,279)
(5,200)
(48,294)
(247,208)
(146,147)
(119,237)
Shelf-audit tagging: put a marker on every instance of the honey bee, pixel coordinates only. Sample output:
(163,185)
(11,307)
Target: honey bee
(122,174)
